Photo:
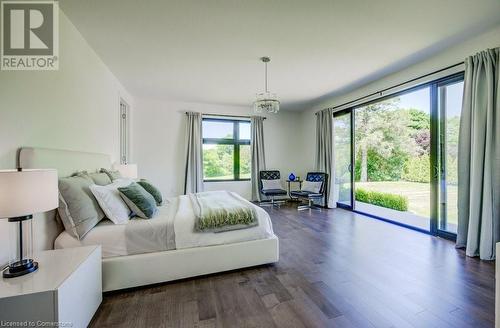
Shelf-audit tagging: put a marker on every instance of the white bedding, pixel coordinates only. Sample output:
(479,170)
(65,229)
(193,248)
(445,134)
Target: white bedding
(171,228)
(136,237)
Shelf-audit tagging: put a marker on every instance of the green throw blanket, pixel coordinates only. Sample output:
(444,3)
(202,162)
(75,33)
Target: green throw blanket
(219,211)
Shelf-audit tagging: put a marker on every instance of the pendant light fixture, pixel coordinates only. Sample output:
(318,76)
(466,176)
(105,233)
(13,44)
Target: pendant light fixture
(266,101)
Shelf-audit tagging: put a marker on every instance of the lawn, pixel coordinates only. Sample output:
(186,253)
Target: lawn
(418,195)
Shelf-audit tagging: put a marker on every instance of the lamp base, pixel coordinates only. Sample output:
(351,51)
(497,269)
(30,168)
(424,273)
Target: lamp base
(20,268)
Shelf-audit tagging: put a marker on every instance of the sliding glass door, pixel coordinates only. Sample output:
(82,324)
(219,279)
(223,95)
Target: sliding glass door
(396,158)
(392,158)
(342,135)
(449,94)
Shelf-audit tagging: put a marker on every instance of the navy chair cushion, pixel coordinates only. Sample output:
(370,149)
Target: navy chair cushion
(274,192)
(305,194)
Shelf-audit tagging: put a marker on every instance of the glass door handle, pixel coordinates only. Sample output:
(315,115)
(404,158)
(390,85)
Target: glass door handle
(436,172)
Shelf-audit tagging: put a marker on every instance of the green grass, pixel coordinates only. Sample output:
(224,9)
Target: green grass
(418,195)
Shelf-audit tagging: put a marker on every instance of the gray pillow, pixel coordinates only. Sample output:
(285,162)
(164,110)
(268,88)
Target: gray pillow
(113,175)
(139,200)
(100,179)
(152,190)
(78,208)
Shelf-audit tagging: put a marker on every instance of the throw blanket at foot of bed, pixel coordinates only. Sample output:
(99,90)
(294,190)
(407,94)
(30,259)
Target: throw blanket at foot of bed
(218,211)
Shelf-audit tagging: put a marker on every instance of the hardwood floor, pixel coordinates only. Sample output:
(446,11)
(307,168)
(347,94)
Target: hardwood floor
(336,269)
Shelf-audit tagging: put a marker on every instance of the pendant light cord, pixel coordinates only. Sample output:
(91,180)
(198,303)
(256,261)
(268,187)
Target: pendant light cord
(265,63)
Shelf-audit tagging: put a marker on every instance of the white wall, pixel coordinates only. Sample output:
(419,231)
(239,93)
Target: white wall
(159,143)
(450,56)
(75,108)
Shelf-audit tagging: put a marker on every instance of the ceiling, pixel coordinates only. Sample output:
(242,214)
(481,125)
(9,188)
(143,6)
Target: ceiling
(208,50)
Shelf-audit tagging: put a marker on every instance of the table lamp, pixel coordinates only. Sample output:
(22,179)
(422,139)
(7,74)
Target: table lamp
(22,194)
(127,170)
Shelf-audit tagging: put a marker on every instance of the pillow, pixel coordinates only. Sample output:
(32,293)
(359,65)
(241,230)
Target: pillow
(110,201)
(152,190)
(113,175)
(271,184)
(100,179)
(312,186)
(78,209)
(139,200)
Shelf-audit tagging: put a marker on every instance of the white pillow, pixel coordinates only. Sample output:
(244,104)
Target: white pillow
(110,201)
(312,186)
(271,184)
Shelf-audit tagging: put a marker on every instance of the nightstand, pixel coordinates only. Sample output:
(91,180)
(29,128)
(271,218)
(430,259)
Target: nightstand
(66,289)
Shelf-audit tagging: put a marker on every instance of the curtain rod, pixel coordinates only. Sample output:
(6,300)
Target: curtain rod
(240,116)
(394,86)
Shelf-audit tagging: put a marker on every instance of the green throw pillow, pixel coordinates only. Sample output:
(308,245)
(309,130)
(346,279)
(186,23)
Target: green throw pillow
(139,200)
(152,190)
(113,175)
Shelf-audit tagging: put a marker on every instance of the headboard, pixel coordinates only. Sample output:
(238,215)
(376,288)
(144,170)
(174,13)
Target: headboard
(45,226)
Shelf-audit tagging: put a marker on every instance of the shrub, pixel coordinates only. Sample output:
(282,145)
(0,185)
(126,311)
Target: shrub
(381,168)
(417,169)
(383,199)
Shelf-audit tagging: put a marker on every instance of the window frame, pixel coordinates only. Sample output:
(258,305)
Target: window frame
(124,131)
(235,141)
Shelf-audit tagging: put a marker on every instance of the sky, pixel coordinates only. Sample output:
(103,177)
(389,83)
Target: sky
(213,129)
(420,99)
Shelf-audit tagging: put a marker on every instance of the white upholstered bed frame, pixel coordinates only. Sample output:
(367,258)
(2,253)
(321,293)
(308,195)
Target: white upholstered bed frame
(141,269)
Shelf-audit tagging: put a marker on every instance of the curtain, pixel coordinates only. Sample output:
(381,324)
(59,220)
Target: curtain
(479,157)
(324,151)
(258,154)
(194,155)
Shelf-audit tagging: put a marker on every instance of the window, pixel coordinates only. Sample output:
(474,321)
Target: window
(124,132)
(226,149)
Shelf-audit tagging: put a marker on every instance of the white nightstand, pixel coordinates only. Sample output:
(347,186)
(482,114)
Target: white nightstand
(66,288)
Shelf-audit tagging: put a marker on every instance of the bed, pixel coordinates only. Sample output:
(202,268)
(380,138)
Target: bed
(142,252)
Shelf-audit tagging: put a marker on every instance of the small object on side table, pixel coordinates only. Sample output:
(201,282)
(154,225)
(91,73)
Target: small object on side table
(291,177)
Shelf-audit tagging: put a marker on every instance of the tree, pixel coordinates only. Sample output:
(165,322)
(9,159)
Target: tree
(218,161)
(420,130)
(382,128)
(418,120)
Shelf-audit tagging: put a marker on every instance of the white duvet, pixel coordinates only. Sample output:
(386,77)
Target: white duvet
(171,228)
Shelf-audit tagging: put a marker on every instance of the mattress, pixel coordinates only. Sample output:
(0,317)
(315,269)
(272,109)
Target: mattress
(172,228)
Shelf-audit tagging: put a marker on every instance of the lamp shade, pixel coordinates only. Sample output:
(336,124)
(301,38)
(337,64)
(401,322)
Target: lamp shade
(127,170)
(27,192)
